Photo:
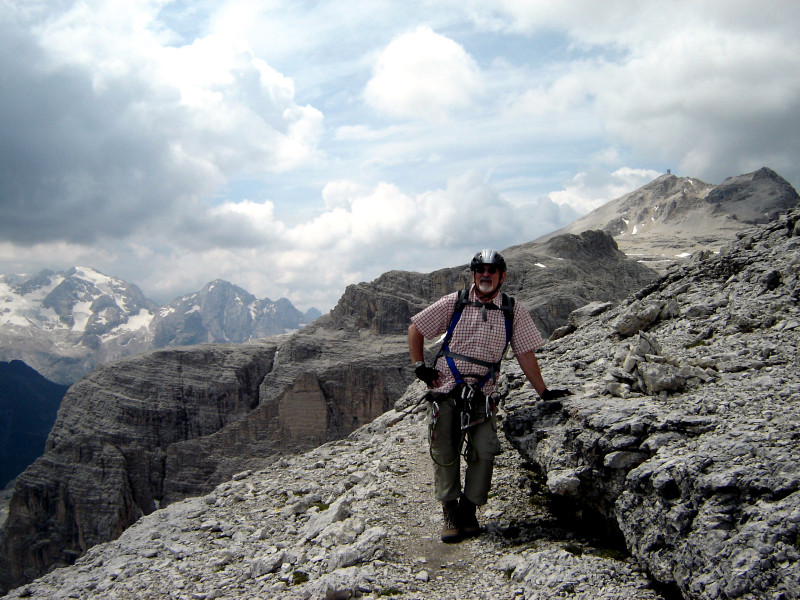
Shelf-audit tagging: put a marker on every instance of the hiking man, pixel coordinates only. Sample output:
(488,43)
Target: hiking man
(462,403)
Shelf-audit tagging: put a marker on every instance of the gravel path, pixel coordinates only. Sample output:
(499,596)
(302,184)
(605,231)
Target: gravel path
(351,518)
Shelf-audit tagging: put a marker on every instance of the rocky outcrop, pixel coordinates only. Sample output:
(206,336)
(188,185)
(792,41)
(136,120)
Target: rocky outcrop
(757,197)
(556,277)
(551,279)
(673,217)
(107,457)
(680,436)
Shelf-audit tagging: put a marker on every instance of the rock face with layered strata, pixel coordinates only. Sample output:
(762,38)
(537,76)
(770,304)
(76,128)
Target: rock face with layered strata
(682,435)
(170,424)
(551,279)
(106,462)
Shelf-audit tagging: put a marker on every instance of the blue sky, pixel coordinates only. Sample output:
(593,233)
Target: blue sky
(293,148)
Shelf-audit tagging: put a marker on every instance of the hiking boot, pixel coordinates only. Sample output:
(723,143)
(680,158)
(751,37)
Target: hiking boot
(467,520)
(450,532)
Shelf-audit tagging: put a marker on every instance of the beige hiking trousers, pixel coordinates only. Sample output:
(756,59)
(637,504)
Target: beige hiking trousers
(445,437)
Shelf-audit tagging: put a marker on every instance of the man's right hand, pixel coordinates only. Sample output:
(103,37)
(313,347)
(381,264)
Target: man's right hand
(427,374)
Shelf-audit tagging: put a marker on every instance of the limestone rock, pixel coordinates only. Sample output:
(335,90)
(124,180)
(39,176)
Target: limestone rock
(696,462)
(675,217)
(551,279)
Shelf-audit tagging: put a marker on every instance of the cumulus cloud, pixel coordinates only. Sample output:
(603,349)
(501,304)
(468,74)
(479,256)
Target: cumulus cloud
(423,75)
(707,89)
(587,191)
(107,128)
(365,231)
(172,143)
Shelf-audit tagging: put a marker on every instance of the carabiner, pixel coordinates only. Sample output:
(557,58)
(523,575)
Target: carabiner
(467,392)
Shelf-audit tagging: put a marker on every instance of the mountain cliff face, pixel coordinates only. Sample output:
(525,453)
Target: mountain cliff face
(673,217)
(169,424)
(679,441)
(108,458)
(65,324)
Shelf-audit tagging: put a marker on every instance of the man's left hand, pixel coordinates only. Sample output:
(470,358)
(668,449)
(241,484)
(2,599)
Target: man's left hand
(553,394)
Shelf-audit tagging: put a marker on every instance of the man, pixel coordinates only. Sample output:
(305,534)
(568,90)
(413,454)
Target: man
(462,405)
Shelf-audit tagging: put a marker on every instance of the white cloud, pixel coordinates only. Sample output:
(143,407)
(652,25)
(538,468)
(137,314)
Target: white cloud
(423,75)
(109,127)
(704,88)
(589,190)
(294,151)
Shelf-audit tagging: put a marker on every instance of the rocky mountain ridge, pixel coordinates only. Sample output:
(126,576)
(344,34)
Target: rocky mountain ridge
(173,423)
(673,217)
(678,441)
(64,324)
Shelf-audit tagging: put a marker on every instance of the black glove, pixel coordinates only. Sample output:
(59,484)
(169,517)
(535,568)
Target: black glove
(553,394)
(427,374)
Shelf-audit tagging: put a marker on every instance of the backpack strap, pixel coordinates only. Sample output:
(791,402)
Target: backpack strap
(507,306)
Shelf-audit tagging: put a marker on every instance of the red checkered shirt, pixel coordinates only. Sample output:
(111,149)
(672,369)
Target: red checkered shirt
(474,337)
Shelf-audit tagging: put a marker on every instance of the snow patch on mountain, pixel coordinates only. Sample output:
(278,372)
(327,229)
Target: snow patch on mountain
(64,324)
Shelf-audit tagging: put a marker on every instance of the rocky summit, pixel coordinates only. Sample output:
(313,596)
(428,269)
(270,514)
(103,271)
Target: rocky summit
(673,217)
(672,471)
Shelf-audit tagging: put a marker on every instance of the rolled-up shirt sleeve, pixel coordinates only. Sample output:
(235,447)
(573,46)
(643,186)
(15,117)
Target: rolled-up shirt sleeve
(434,320)
(526,336)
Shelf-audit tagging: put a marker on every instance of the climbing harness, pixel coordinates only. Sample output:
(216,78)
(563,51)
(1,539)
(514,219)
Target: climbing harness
(472,408)
(507,306)
(472,405)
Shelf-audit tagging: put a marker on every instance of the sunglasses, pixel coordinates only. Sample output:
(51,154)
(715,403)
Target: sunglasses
(483,268)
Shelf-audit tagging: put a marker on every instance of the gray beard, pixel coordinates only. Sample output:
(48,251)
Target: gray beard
(485,288)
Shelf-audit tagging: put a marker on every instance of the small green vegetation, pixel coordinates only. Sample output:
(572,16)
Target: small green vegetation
(299,577)
(320,505)
(390,591)
(696,344)
(575,549)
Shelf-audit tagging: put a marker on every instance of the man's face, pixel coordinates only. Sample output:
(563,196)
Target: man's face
(487,278)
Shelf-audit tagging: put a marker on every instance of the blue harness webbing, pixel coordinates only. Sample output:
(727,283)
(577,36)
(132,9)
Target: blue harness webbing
(507,306)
